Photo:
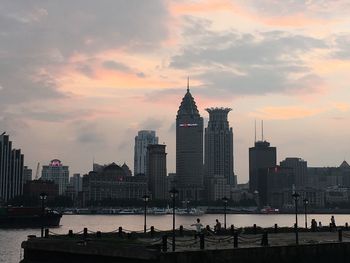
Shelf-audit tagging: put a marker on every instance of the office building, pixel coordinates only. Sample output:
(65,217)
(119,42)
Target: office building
(142,140)
(219,175)
(27,174)
(156,173)
(11,170)
(77,182)
(299,167)
(261,157)
(113,183)
(189,149)
(58,173)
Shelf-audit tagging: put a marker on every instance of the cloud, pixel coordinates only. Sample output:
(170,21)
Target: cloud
(113,65)
(228,62)
(287,112)
(87,133)
(341,47)
(37,36)
(151,124)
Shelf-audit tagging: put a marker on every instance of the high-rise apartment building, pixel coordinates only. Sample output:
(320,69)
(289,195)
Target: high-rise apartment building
(142,140)
(11,170)
(157,172)
(58,173)
(261,157)
(219,176)
(189,149)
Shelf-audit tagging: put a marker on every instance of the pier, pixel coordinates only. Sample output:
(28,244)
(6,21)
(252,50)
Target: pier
(251,244)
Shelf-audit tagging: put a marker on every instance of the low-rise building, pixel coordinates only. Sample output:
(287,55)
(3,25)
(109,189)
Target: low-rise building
(113,183)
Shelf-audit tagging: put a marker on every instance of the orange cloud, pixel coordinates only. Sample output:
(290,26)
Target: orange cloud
(286,113)
(341,106)
(295,20)
(201,7)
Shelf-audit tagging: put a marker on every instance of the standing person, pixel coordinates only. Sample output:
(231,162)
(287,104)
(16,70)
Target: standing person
(333,226)
(198,226)
(217,227)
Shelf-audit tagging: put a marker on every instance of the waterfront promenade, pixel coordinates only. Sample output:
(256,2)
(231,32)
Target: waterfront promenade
(157,246)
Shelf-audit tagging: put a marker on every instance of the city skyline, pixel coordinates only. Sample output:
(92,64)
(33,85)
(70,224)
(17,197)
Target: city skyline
(87,96)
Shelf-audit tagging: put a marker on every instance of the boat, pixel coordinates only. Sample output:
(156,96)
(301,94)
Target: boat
(130,212)
(158,211)
(189,212)
(28,217)
(269,210)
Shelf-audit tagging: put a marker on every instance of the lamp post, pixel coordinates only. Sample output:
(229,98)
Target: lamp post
(173,193)
(224,199)
(187,206)
(296,198)
(306,202)
(145,200)
(43,197)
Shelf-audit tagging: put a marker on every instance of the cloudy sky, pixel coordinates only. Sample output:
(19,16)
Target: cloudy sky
(79,78)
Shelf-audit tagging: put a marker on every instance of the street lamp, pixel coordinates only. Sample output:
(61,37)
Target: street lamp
(145,200)
(296,198)
(187,202)
(225,199)
(43,197)
(306,202)
(173,193)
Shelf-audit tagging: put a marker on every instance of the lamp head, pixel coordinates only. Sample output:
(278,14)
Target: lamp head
(173,192)
(296,196)
(145,198)
(43,196)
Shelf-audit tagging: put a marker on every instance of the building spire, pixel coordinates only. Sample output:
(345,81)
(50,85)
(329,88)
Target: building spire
(188,83)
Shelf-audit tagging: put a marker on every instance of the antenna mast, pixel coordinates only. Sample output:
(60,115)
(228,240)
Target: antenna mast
(262,130)
(255,130)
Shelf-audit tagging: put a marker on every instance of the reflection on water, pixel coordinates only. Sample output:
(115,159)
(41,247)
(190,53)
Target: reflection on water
(10,240)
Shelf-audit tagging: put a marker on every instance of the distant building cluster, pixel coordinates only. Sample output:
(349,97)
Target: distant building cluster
(204,170)
(11,170)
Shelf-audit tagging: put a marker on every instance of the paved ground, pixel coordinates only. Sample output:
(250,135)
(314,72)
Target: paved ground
(245,240)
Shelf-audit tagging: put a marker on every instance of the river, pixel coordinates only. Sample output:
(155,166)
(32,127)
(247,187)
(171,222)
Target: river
(10,240)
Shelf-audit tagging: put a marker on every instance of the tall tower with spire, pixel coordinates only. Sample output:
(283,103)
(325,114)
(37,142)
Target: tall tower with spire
(189,149)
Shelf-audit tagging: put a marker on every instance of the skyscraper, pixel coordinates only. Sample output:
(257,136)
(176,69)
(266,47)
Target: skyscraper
(189,149)
(157,183)
(58,173)
(142,140)
(261,157)
(218,162)
(11,170)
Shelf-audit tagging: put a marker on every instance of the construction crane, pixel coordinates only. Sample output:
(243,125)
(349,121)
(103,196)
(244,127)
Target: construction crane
(37,171)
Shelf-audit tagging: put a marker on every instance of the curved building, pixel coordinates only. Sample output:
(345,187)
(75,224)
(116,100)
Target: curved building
(189,150)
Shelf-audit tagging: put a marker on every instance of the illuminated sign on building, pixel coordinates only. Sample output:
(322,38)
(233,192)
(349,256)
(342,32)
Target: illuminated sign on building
(188,125)
(55,162)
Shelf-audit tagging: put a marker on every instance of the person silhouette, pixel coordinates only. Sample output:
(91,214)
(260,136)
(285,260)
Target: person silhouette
(198,226)
(217,227)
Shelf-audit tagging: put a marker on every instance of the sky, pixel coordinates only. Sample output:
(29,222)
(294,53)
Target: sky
(79,78)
